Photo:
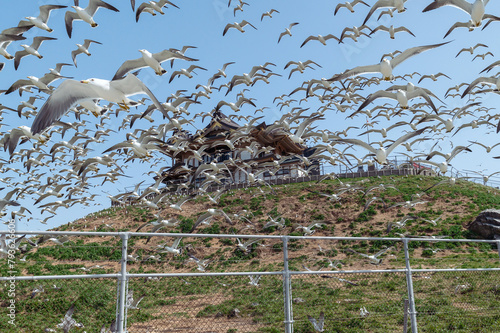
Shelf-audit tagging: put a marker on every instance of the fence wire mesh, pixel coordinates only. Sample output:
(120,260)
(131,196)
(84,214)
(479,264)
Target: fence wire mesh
(357,302)
(206,304)
(464,301)
(42,305)
(228,283)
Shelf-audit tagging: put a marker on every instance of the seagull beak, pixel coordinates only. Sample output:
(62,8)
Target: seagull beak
(84,81)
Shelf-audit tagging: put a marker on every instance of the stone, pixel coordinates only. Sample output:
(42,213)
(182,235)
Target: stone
(486,224)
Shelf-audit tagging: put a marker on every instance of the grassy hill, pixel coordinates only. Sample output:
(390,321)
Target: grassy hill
(196,302)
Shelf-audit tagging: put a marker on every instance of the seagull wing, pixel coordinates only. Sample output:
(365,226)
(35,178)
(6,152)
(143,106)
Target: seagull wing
(404,138)
(68,20)
(412,52)
(488,80)
(95,4)
(460,4)
(357,71)
(68,93)
(359,143)
(131,85)
(377,5)
(166,55)
(375,95)
(45,11)
(128,66)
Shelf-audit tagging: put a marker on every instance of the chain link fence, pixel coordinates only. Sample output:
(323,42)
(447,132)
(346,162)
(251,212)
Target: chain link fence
(126,282)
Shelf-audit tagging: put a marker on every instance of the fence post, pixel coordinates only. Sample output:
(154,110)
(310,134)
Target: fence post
(409,282)
(122,293)
(287,288)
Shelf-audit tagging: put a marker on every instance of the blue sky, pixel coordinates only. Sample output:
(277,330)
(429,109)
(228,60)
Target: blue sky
(200,24)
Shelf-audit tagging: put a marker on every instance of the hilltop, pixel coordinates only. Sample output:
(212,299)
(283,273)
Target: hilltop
(205,302)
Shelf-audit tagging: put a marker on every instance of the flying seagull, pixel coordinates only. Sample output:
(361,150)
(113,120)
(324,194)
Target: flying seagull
(152,60)
(41,20)
(30,49)
(382,153)
(476,10)
(71,92)
(85,14)
(386,65)
(82,48)
(318,324)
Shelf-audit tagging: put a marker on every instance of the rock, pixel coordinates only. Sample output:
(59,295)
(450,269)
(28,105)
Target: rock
(235,313)
(486,224)
(298,300)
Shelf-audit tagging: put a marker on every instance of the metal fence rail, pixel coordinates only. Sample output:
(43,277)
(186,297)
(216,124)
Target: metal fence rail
(274,296)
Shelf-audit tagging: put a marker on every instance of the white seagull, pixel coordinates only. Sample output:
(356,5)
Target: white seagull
(85,14)
(30,49)
(71,92)
(82,48)
(386,65)
(41,20)
(149,59)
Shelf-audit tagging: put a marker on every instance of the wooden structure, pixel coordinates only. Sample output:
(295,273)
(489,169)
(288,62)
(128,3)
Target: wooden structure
(260,147)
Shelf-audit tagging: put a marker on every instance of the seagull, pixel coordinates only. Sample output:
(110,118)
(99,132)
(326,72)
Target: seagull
(85,14)
(399,5)
(349,5)
(30,49)
(41,20)
(471,49)
(318,324)
(181,202)
(132,303)
(82,48)
(237,26)
(245,246)
(254,280)
(71,92)
(202,264)
(275,222)
(494,81)
(308,230)
(401,223)
(269,13)
(373,257)
(402,96)
(68,322)
(151,7)
(152,60)
(287,30)
(172,249)
(187,72)
(391,30)
(321,39)
(476,10)
(386,65)
(382,153)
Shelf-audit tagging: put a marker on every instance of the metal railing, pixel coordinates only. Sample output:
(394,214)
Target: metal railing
(335,292)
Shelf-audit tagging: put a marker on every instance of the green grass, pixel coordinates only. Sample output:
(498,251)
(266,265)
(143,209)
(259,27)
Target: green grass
(178,303)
